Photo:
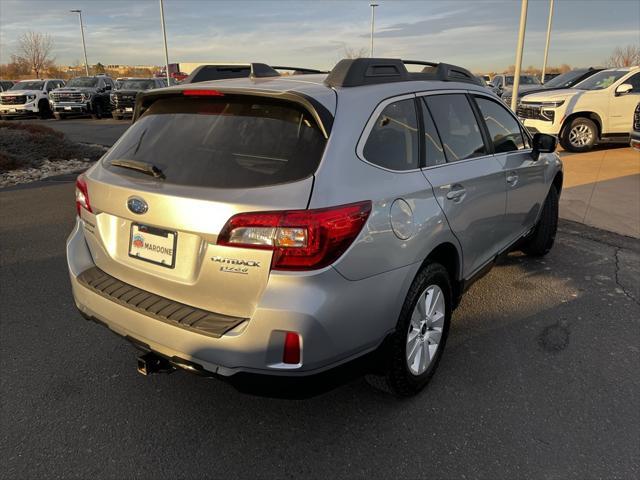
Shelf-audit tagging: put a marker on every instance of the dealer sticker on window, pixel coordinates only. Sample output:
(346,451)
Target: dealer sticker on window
(153,245)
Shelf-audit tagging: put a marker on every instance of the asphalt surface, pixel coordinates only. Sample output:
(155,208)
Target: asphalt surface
(86,130)
(539,380)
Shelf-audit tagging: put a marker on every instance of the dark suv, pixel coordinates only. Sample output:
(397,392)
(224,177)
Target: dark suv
(84,96)
(123,99)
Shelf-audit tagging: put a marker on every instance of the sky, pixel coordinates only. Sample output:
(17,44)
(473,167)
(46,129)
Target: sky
(478,34)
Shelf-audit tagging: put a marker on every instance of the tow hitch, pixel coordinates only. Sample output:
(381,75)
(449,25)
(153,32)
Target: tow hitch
(151,363)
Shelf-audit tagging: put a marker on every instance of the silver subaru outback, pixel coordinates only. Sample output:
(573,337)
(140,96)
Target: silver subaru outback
(286,225)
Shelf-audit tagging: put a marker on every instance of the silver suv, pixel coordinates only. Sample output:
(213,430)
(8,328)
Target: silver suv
(285,225)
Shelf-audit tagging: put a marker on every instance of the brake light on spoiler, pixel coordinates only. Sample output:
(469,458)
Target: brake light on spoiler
(202,93)
(300,239)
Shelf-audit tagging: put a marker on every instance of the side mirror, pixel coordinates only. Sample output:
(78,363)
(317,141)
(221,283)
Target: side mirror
(543,143)
(623,89)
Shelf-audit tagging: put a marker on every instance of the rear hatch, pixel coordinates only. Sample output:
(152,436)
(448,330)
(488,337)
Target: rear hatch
(207,156)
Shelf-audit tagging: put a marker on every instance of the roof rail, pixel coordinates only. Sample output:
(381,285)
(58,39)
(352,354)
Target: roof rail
(370,71)
(299,70)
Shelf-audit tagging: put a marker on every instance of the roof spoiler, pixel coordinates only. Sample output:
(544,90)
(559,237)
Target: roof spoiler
(221,71)
(356,72)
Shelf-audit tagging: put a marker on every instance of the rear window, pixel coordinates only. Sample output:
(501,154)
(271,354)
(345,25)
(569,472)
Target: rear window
(226,142)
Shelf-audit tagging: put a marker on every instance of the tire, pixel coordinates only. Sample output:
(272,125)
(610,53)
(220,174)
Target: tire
(58,116)
(580,135)
(398,377)
(541,240)
(44,110)
(96,111)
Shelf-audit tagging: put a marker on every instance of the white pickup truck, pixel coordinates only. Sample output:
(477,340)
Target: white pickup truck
(28,97)
(597,110)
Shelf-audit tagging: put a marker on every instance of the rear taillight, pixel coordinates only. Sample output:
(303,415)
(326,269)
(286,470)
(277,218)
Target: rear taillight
(300,239)
(82,195)
(291,352)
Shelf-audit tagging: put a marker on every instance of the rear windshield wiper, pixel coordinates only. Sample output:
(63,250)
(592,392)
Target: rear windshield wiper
(143,167)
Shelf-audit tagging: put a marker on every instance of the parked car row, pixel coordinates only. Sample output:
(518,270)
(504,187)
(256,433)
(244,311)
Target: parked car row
(597,110)
(96,96)
(582,107)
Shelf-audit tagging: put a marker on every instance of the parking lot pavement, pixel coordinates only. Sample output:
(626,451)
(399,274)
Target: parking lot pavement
(85,130)
(539,379)
(602,189)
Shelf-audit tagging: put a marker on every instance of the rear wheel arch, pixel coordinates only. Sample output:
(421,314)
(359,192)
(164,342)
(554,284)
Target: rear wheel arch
(447,255)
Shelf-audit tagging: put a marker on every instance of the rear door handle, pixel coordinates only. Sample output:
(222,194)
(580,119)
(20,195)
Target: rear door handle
(456,193)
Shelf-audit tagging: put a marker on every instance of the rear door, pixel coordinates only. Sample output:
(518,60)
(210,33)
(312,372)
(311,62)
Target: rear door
(213,157)
(523,176)
(470,186)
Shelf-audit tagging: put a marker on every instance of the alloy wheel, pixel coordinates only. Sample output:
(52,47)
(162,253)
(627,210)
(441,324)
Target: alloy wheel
(425,329)
(580,135)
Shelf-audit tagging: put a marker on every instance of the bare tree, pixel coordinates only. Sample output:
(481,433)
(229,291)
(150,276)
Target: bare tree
(628,56)
(350,52)
(35,50)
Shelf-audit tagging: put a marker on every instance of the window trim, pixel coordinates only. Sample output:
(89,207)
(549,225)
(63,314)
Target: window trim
(480,125)
(366,132)
(423,107)
(523,129)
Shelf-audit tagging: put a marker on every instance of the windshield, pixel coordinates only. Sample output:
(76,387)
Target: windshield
(82,82)
(231,142)
(565,80)
(28,86)
(601,80)
(524,80)
(136,84)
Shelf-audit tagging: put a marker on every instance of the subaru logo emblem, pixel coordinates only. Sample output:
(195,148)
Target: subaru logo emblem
(137,205)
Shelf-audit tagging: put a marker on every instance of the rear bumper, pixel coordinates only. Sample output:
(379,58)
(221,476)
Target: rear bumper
(337,320)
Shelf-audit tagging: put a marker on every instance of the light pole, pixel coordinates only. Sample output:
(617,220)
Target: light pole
(516,76)
(373,19)
(546,47)
(84,47)
(164,36)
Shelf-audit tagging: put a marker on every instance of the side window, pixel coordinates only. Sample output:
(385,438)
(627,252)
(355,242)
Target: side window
(457,126)
(635,81)
(434,152)
(393,141)
(504,130)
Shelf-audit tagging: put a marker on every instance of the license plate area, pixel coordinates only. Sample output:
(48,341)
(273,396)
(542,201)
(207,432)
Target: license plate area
(153,245)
